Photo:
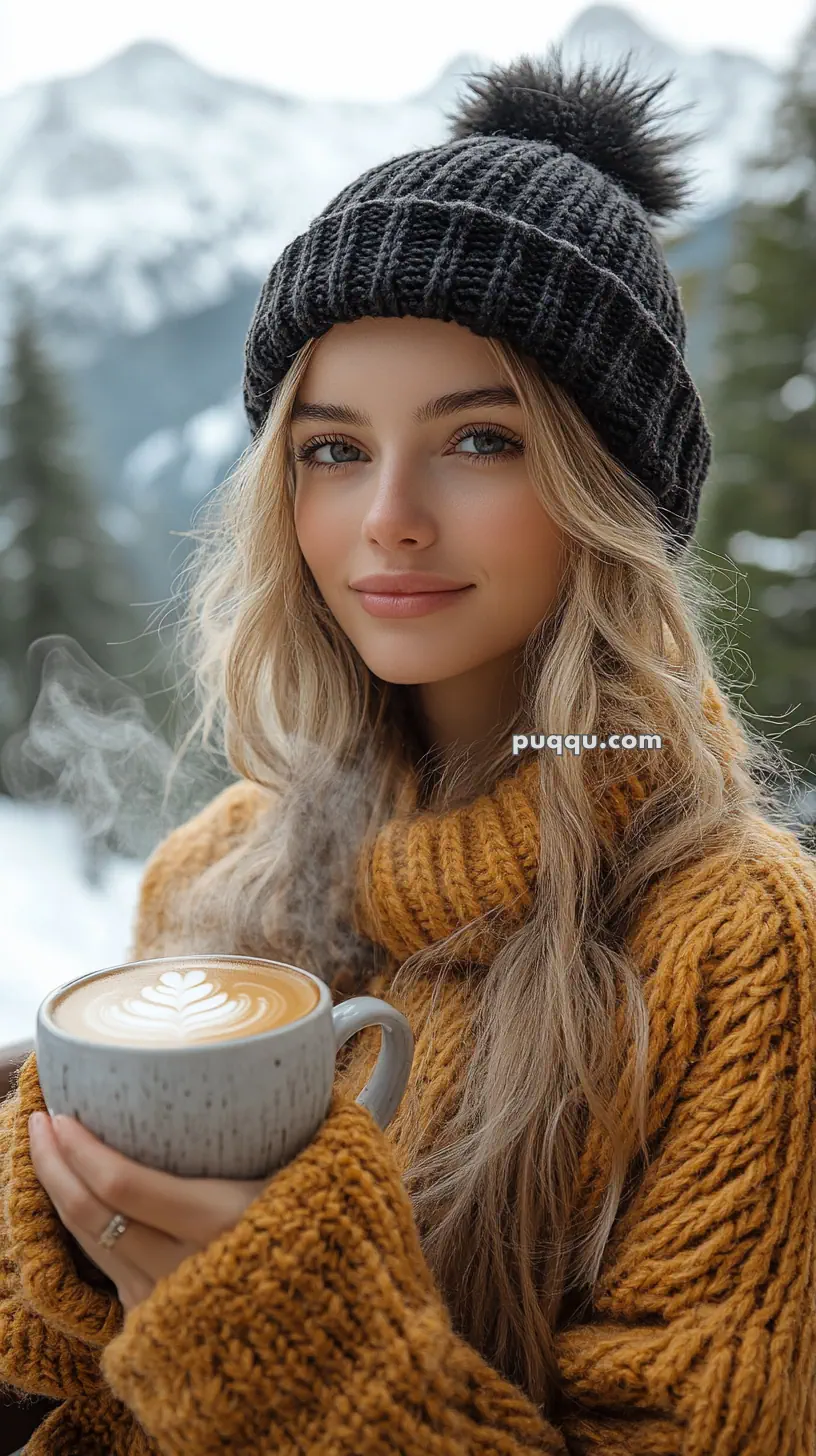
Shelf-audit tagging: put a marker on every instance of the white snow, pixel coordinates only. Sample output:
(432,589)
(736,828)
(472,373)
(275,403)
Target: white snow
(150,457)
(56,927)
(208,439)
(197,452)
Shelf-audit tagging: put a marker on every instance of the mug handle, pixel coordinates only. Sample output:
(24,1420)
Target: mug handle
(383,1091)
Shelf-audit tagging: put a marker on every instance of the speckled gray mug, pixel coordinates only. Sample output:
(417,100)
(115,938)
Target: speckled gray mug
(236,1108)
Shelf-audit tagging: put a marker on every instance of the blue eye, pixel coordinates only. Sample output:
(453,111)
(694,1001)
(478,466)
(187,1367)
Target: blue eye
(306,455)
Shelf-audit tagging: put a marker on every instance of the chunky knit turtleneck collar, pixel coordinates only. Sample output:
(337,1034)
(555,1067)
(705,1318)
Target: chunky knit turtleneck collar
(430,872)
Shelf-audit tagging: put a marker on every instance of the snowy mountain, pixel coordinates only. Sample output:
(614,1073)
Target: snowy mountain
(149,187)
(144,202)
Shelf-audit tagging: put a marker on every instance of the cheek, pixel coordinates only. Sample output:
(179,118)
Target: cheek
(317,529)
(518,547)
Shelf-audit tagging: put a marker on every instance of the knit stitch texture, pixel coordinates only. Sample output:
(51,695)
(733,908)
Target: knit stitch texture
(314,1324)
(520,227)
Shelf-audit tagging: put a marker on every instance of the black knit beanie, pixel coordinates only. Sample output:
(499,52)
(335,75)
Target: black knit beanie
(532,224)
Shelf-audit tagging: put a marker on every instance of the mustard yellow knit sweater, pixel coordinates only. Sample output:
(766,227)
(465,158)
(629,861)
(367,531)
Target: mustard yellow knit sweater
(314,1324)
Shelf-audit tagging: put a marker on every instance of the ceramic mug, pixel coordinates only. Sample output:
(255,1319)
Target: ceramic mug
(237,1108)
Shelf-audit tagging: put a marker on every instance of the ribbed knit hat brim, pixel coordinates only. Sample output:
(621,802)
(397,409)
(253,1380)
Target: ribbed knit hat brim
(458,261)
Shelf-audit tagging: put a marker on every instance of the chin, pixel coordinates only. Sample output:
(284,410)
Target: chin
(414,671)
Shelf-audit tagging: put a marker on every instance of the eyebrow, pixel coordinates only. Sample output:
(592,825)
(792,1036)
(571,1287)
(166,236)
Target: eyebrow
(435,409)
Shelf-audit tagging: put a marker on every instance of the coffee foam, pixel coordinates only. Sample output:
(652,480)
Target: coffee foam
(184,1005)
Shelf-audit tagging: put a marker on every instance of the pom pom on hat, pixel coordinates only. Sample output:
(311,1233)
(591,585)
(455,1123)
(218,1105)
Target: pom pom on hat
(531,224)
(602,118)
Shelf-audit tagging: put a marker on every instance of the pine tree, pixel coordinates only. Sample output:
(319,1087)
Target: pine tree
(760,510)
(60,572)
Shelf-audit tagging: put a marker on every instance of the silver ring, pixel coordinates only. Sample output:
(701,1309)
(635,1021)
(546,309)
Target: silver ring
(112,1231)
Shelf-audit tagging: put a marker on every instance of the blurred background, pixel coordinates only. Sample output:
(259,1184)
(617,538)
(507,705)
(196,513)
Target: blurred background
(153,164)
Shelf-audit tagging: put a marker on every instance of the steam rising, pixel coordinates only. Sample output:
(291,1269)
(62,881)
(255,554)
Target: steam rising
(90,745)
(286,889)
(280,887)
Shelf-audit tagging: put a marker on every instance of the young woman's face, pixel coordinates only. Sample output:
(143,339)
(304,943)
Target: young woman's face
(448,495)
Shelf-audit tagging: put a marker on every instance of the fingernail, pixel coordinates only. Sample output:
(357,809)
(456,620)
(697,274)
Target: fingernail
(35,1123)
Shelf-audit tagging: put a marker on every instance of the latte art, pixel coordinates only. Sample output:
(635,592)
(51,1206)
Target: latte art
(183,1005)
(179,1006)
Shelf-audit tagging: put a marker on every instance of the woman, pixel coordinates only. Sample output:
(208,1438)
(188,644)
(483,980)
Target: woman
(590,1227)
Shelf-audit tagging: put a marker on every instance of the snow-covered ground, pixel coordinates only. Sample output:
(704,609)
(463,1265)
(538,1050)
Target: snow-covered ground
(55,926)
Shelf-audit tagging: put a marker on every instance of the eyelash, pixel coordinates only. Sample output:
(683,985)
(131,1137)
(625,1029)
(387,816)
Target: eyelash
(304,455)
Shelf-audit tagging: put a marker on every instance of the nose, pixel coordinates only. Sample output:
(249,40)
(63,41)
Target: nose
(397,512)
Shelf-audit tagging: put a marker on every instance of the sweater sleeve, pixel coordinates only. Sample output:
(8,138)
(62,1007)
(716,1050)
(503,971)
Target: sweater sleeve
(703,1336)
(57,1309)
(55,1313)
(314,1325)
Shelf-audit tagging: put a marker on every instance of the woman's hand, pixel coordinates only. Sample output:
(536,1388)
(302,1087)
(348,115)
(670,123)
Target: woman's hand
(169,1217)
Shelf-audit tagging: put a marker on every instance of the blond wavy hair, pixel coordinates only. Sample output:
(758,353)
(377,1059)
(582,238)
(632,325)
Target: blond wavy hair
(282,692)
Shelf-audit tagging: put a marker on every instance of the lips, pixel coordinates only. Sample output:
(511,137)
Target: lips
(406,583)
(410,604)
